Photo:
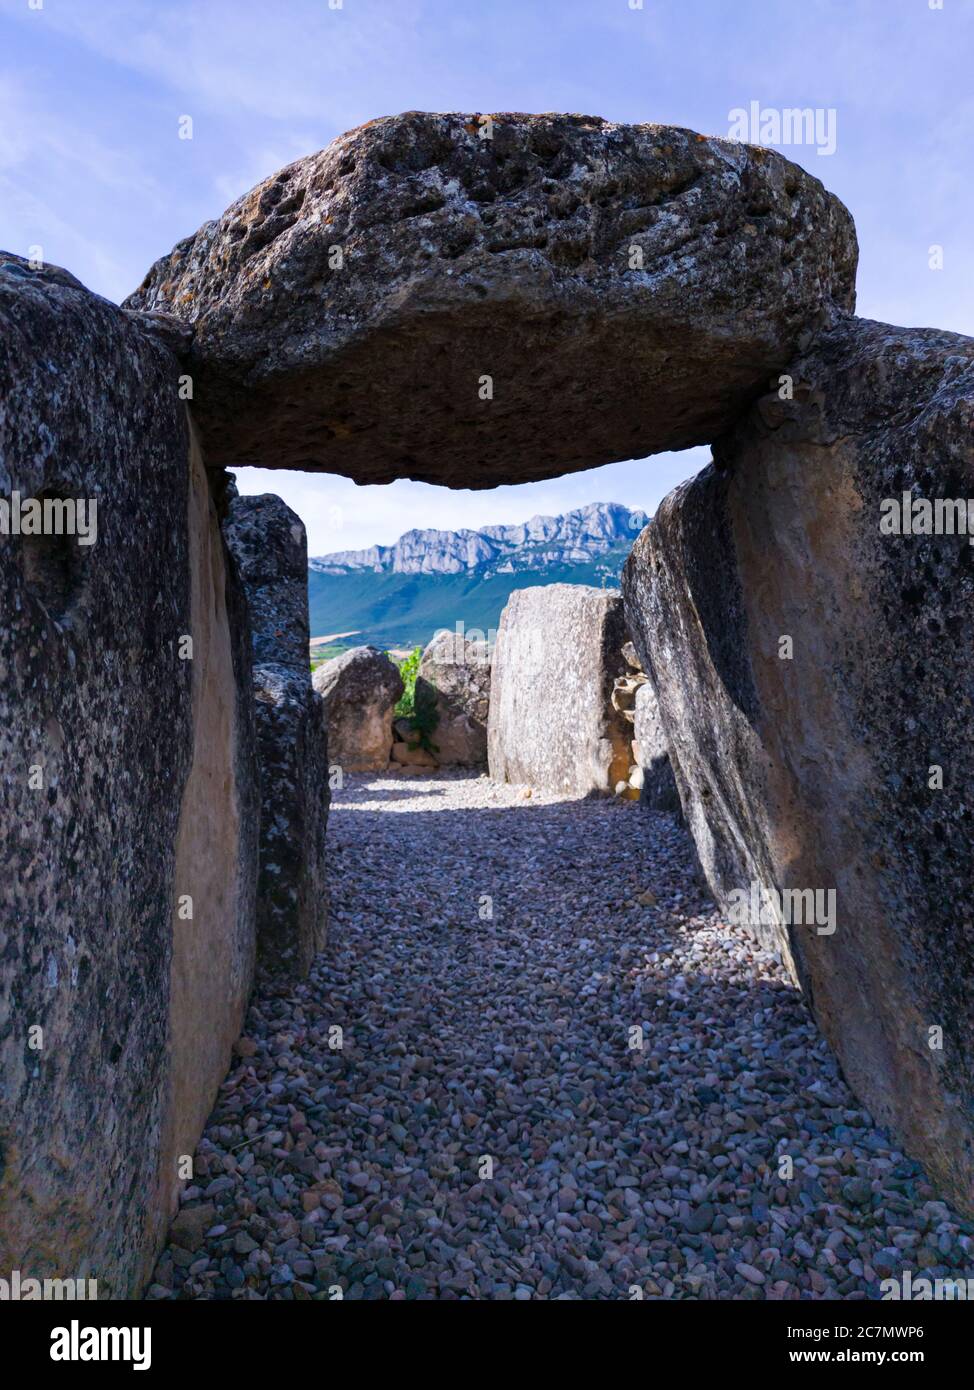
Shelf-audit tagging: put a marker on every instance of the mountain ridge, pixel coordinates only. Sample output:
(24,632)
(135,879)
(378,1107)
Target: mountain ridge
(400,595)
(575,537)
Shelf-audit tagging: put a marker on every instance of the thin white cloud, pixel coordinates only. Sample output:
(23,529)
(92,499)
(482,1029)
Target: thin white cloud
(342,516)
(39,138)
(261,162)
(286,61)
(50,167)
(91,168)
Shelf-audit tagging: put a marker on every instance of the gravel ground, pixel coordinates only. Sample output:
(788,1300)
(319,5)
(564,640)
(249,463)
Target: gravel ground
(490,954)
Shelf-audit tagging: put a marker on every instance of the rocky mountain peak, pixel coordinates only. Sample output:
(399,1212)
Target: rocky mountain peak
(577,536)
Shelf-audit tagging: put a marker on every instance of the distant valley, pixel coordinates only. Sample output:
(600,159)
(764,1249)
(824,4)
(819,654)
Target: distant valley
(399,595)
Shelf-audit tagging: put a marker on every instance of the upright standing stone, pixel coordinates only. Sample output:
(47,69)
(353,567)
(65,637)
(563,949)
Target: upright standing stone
(806,612)
(360,690)
(128,789)
(454,677)
(552,723)
(269,544)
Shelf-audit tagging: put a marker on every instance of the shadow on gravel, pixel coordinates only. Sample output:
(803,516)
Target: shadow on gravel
(386,794)
(561,1076)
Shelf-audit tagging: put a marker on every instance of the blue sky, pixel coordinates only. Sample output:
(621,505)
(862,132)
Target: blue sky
(92,169)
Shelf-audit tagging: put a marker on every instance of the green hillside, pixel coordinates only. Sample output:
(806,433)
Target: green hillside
(404,610)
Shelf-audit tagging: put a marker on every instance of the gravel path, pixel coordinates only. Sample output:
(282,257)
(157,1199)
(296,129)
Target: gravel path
(490,955)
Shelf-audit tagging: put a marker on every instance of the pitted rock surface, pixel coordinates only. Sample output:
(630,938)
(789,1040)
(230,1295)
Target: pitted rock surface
(269,544)
(818,770)
(360,689)
(292,898)
(104,729)
(642,281)
(552,723)
(454,675)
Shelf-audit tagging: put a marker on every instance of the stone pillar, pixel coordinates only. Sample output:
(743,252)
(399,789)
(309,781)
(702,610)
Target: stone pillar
(127,788)
(270,549)
(552,723)
(806,611)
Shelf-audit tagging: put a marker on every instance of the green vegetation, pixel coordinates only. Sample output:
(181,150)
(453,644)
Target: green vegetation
(322,654)
(409,670)
(419,707)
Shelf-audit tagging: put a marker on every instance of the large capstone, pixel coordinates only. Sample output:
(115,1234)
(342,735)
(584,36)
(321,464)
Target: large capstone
(269,544)
(128,790)
(424,296)
(454,681)
(806,612)
(360,690)
(552,722)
